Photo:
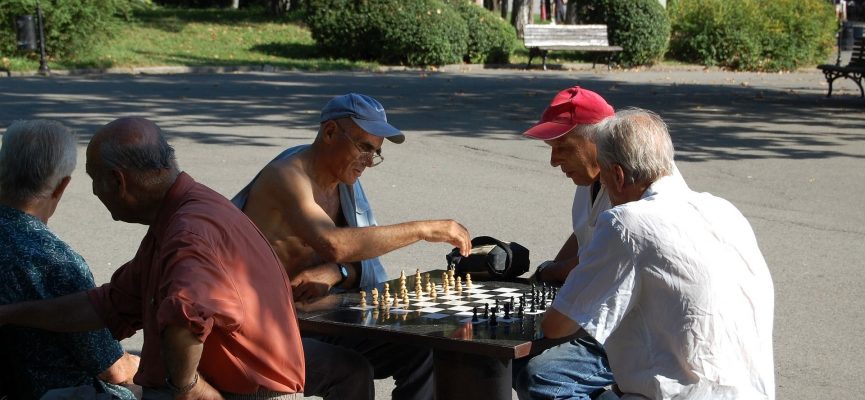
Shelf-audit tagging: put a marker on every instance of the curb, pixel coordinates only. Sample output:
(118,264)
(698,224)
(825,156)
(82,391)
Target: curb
(215,69)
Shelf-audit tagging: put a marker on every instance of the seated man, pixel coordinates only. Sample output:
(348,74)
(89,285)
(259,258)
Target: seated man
(578,368)
(36,163)
(212,298)
(673,283)
(309,203)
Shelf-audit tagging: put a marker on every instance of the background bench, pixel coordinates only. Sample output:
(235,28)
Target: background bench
(853,70)
(540,39)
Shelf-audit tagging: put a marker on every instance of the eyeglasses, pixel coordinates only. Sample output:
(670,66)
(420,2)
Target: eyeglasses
(371,158)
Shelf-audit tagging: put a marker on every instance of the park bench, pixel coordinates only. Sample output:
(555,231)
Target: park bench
(540,39)
(854,69)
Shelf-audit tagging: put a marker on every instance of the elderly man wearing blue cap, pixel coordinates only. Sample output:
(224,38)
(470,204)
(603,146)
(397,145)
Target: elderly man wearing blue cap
(310,205)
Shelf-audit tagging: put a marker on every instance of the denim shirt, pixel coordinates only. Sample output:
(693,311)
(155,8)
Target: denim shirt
(355,208)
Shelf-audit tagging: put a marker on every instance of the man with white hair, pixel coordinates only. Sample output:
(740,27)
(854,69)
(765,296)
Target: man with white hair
(673,283)
(36,163)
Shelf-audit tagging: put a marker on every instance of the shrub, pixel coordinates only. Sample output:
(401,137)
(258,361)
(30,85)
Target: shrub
(415,32)
(70,25)
(491,39)
(752,34)
(641,27)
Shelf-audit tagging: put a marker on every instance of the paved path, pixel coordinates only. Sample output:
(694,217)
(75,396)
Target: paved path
(772,144)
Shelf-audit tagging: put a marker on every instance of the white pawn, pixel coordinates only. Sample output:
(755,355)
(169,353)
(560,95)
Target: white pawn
(374,296)
(469,280)
(363,299)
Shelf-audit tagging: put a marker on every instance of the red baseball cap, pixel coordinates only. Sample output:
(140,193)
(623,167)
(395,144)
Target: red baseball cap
(571,107)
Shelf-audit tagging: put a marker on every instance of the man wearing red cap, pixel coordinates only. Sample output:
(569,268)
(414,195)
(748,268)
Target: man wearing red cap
(577,368)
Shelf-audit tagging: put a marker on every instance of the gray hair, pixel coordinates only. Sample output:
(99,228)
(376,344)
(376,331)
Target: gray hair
(140,157)
(638,141)
(36,155)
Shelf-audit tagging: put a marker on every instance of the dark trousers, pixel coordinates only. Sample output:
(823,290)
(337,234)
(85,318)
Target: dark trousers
(344,368)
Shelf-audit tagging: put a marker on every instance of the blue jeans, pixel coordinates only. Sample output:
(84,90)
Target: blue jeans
(573,370)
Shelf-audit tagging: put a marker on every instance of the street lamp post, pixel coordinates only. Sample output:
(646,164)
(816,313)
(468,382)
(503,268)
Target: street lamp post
(43,65)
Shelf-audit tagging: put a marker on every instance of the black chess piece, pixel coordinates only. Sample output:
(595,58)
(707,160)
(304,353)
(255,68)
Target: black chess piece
(520,313)
(543,304)
(496,308)
(493,320)
(544,291)
(522,301)
(532,309)
(512,303)
(486,310)
(507,311)
(474,314)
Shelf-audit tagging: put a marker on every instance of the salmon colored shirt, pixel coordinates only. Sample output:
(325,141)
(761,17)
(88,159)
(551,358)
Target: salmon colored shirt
(203,265)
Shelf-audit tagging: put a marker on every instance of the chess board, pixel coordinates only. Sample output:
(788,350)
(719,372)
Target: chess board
(481,303)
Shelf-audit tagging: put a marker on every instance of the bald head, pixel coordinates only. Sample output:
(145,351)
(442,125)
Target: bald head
(134,144)
(132,167)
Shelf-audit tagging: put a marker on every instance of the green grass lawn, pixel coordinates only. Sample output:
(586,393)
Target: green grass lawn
(200,37)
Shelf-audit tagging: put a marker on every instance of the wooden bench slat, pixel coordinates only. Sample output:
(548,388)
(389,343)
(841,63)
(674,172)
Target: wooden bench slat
(542,38)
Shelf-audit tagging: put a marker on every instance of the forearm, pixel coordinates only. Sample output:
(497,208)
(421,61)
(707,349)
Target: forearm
(558,271)
(70,313)
(556,325)
(355,244)
(181,351)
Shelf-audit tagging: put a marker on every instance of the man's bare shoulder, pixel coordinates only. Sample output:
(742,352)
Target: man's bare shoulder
(284,174)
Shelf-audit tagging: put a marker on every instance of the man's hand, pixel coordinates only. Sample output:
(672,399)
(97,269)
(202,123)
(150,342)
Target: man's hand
(451,232)
(201,391)
(314,282)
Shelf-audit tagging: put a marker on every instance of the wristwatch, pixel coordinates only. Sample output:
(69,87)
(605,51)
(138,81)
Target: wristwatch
(537,276)
(343,272)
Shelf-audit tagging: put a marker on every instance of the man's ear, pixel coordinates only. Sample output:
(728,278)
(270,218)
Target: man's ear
(618,178)
(329,129)
(61,187)
(120,181)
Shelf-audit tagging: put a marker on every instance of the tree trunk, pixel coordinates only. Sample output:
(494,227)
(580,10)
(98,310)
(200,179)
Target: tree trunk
(279,7)
(571,16)
(505,9)
(522,15)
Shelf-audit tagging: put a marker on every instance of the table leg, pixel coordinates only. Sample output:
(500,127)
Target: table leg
(469,376)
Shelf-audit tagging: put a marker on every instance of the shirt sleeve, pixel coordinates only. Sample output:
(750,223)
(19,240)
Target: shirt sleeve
(94,351)
(118,303)
(196,292)
(598,292)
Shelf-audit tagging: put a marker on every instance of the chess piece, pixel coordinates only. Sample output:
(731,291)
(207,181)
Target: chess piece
(520,312)
(512,303)
(532,308)
(486,310)
(543,304)
(363,298)
(493,320)
(468,280)
(374,294)
(507,311)
(475,314)
(395,302)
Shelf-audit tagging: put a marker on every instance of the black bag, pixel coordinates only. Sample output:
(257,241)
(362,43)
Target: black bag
(491,260)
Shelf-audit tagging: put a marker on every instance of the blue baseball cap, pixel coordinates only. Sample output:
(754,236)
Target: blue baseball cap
(365,111)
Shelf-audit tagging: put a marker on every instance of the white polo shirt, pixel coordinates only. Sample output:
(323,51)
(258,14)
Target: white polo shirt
(676,288)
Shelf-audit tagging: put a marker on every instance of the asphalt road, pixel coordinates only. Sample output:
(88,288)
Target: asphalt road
(773,144)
